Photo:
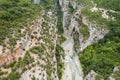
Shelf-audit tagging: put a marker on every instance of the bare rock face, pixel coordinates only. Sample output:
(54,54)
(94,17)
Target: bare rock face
(92,76)
(45,32)
(1,47)
(36,1)
(116,69)
(76,41)
(111,78)
(115,76)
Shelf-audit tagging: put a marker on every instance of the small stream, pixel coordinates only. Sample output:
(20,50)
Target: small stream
(73,70)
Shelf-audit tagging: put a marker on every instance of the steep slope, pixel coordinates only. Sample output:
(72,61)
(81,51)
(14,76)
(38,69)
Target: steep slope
(102,57)
(58,40)
(73,24)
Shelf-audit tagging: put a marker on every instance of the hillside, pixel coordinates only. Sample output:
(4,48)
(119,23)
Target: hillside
(59,40)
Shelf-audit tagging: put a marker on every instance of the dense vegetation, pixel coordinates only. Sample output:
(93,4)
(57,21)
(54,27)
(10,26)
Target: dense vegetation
(60,15)
(103,56)
(83,28)
(14,15)
(71,9)
(85,3)
(60,65)
(108,4)
(47,4)
(95,17)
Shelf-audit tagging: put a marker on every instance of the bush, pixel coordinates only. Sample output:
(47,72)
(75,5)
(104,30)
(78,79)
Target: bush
(113,4)
(37,49)
(59,22)
(103,56)
(60,64)
(14,15)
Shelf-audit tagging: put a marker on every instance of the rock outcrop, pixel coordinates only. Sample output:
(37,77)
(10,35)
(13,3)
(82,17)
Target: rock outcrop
(36,1)
(76,41)
(44,32)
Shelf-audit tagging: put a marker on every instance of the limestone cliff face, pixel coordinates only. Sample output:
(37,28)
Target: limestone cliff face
(43,32)
(22,45)
(36,1)
(76,41)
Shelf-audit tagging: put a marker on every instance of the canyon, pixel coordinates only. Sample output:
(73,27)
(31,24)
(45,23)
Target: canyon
(54,59)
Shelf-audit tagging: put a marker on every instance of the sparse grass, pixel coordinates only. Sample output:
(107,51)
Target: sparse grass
(84,30)
(85,3)
(37,49)
(116,75)
(98,77)
(21,64)
(15,15)
(95,18)
(61,39)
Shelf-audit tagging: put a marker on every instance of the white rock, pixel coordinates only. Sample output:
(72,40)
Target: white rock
(1,47)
